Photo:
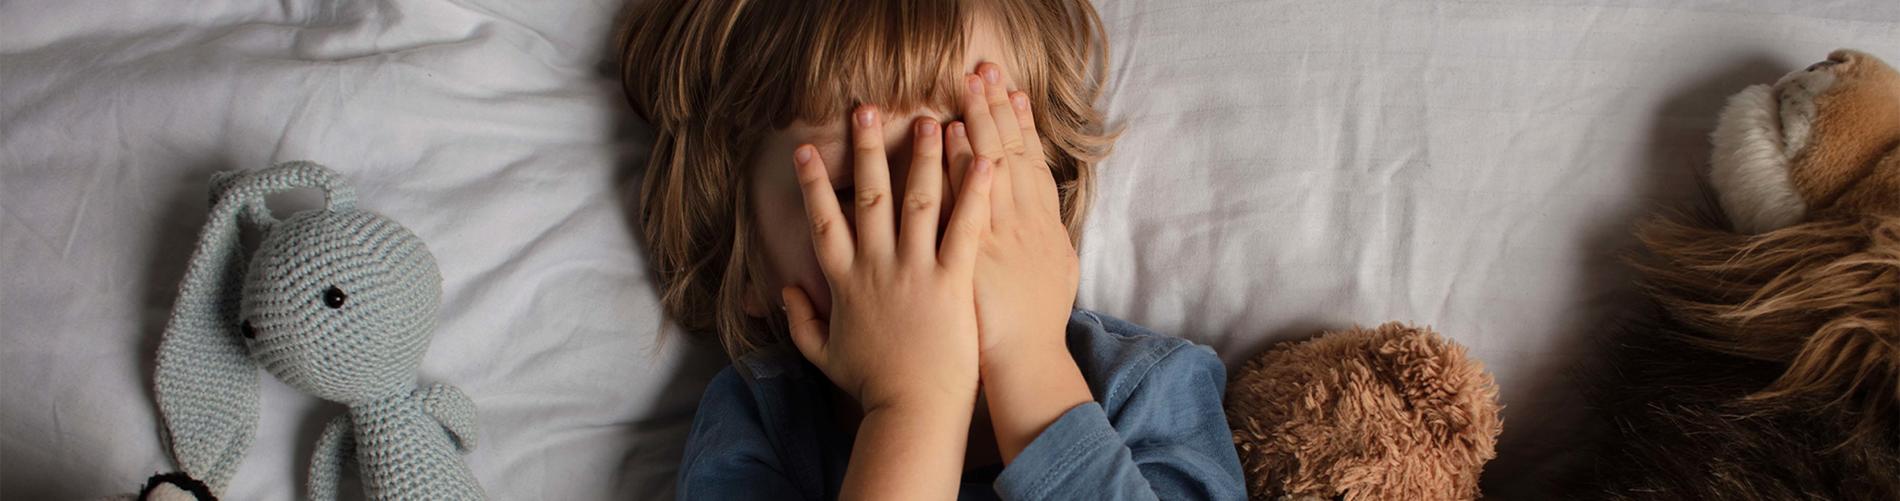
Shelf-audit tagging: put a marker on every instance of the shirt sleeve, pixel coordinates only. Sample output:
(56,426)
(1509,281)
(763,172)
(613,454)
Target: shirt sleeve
(728,455)
(1169,440)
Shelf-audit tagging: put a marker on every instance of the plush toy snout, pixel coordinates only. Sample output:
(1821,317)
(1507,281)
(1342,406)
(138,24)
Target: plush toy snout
(1821,142)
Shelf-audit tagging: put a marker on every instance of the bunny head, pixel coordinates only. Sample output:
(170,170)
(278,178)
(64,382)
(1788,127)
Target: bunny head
(336,302)
(340,304)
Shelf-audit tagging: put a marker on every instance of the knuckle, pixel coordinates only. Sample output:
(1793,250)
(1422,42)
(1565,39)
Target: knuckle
(920,202)
(1015,146)
(1002,227)
(837,272)
(867,145)
(981,190)
(871,197)
(822,226)
(968,226)
(904,278)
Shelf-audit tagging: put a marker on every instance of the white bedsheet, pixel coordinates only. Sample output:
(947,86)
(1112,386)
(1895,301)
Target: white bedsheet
(1287,167)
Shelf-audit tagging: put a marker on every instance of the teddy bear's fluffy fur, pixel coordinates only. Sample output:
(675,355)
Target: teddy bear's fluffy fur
(1395,412)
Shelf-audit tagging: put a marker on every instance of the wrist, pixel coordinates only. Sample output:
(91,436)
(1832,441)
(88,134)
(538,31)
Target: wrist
(907,446)
(1030,352)
(1028,386)
(920,402)
(924,416)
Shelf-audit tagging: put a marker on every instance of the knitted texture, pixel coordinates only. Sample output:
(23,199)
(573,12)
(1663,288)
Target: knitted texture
(338,303)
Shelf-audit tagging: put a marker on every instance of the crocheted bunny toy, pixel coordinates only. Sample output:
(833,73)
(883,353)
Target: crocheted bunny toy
(336,302)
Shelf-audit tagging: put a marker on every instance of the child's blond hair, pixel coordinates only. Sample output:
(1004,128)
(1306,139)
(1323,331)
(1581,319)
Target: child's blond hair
(712,77)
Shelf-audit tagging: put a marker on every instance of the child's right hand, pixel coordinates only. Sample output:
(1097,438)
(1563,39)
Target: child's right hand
(902,331)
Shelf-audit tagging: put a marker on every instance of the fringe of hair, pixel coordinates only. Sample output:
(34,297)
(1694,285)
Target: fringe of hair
(1821,297)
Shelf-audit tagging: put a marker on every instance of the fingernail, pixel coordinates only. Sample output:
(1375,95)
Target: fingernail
(802,154)
(982,164)
(976,85)
(866,115)
(927,128)
(1020,100)
(992,74)
(956,129)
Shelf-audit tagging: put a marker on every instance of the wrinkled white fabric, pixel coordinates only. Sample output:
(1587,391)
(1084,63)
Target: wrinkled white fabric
(1287,167)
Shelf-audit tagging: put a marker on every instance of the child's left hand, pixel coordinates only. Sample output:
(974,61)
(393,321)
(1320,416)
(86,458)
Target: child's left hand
(1027,271)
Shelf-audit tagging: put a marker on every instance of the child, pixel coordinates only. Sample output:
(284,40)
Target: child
(895,293)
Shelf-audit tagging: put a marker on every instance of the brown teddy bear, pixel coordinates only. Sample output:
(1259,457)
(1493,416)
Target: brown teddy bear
(1772,368)
(1395,412)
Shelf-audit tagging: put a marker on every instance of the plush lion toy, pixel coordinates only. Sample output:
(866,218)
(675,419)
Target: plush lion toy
(1772,370)
(1395,412)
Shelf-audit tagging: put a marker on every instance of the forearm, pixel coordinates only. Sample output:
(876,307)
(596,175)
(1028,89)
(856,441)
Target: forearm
(1028,387)
(909,452)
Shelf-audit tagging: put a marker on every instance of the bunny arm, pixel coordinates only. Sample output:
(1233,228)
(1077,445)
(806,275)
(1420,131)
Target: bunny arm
(454,410)
(406,453)
(335,449)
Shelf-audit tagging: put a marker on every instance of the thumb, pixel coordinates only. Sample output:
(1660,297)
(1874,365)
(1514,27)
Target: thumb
(808,332)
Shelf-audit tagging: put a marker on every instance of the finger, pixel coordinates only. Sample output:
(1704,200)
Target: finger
(971,221)
(996,89)
(830,236)
(957,155)
(872,174)
(1030,181)
(809,333)
(1026,122)
(981,129)
(1038,177)
(923,198)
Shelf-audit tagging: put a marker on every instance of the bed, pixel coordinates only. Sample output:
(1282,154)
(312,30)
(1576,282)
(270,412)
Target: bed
(1286,167)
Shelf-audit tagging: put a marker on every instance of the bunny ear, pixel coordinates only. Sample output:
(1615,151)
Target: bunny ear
(337,195)
(207,384)
(206,381)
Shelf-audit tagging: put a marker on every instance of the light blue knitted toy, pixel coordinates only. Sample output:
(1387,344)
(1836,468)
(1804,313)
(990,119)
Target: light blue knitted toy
(337,302)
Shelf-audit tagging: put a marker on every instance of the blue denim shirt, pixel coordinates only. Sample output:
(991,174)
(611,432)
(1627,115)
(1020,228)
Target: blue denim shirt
(1154,431)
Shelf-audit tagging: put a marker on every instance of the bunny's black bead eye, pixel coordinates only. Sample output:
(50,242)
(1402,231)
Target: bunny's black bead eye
(334,297)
